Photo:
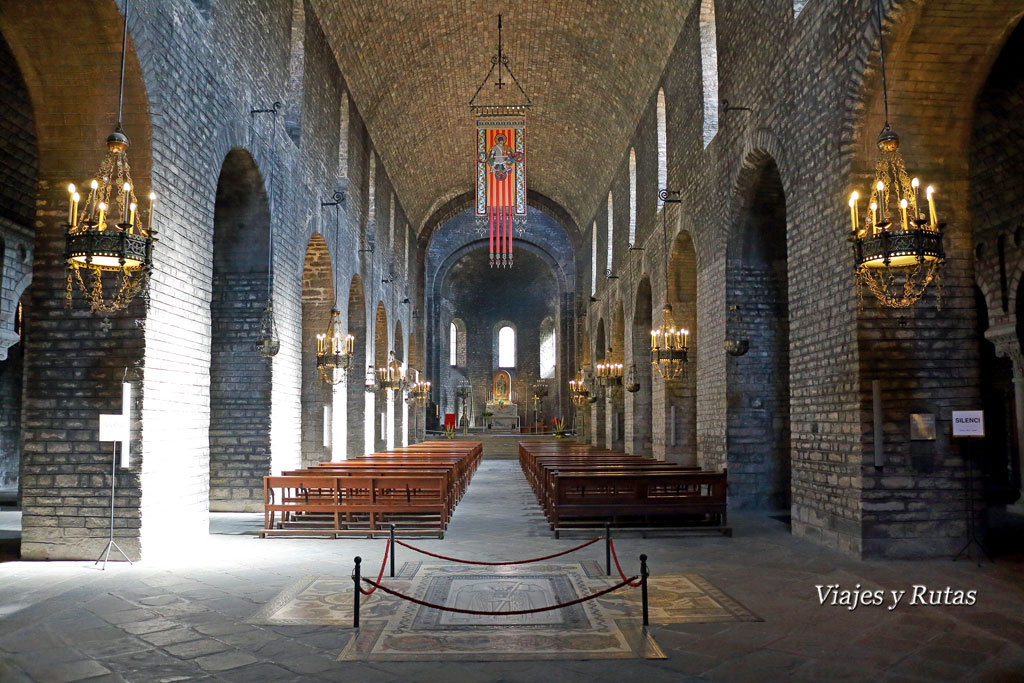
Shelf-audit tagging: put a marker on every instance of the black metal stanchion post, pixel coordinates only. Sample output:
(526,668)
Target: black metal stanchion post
(392,551)
(608,549)
(643,586)
(355,598)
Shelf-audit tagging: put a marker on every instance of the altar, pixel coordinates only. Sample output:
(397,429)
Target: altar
(504,416)
(502,406)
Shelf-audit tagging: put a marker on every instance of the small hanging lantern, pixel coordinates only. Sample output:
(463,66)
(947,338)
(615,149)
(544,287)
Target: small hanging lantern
(269,343)
(631,381)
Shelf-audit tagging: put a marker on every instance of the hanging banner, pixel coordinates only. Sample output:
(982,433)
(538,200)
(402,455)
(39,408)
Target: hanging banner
(501,181)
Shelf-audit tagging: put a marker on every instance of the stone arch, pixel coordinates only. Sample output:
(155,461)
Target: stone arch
(317,301)
(757,380)
(639,404)
(18,183)
(240,379)
(355,393)
(615,397)
(680,396)
(70,150)
(378,428)
(598,409)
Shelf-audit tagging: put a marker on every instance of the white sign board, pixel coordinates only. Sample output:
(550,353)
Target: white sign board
(968,423)
(119,427)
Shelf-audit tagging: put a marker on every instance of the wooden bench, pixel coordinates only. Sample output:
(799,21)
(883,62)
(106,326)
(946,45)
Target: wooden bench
(416,488)
(579,486)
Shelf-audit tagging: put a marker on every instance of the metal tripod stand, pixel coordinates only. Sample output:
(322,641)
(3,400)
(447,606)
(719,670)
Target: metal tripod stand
(105,553)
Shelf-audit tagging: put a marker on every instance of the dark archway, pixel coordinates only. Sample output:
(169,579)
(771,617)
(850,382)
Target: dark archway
(639,404)
(18,182)
(240,379)
(681,394)
(380,360)
(757,382)
(598,411)
(355,391)
(317,301)
(398,407)
(615,396)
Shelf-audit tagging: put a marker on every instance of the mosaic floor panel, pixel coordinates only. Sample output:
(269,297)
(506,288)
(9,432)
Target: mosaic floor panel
(608,627)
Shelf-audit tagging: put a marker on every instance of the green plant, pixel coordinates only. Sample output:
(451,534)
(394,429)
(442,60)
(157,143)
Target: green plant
(449,432)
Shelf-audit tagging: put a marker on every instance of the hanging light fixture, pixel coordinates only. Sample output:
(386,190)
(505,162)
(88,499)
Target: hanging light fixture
(392,376)
(107,233)
(669,345)
(268,343)
(578,390)
(334,349)
(608,375)
(334,352)
(897,244)
(419,391)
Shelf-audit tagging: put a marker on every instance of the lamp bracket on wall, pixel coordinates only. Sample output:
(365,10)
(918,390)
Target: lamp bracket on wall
(726,107)
(274,109)
(338,200)
(665,194)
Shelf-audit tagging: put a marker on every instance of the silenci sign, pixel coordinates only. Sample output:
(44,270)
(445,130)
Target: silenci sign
(968,423)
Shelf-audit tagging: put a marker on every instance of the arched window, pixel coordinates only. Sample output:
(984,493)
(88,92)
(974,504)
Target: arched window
(662,146)
(632,196)
(343,141)
(611,235)
(453,345)
(593,260)
(391,223)
(709,67)
(548,348)
(506,347)
(457,343)
(798,6)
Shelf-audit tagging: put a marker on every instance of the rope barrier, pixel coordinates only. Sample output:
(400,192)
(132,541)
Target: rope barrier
(615,557)
(380,576)
(496,564)
(444,608)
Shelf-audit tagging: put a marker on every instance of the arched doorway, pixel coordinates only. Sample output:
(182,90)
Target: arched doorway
(757,380)
(598,409)
(397,407)
(17,233)
(615,395)
(639,404)
(681,394)
(317,396)
(240,379)
(355,391)
(378,429)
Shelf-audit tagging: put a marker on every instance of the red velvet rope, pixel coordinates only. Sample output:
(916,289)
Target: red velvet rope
(383,562)
(616,558)
(496,564)
(509,613)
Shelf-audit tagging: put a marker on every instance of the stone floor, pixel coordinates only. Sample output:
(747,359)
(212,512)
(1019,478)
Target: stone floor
(66,621)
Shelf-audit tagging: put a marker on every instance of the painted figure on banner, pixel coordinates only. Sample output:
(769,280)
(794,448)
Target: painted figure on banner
(500,159)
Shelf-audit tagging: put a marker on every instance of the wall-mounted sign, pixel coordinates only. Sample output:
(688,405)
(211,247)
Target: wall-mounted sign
(968,423)
(922,427)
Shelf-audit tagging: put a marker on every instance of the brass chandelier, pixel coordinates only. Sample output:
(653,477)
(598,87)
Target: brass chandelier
(419,392)
(898,244)
(669,347)
(107,233)
(669,344)
(334,352)
(392,376)
(578,391)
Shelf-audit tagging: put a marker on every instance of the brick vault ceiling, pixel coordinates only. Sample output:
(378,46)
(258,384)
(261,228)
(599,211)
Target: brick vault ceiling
(589,68)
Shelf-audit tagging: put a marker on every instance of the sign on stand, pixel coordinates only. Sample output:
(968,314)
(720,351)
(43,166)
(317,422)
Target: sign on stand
(969,423)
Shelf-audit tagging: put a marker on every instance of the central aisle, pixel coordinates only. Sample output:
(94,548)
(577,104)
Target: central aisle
(498,509)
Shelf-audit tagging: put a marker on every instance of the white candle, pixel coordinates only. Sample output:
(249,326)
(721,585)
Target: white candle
(103,210)
(916,184)
(152,197)
(903,213)
(853,210)
(930,192)
(71,204)
(131,217)
(74,209)
(874,217)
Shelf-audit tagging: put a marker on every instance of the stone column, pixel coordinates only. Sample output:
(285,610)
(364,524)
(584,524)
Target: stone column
(1004,337)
